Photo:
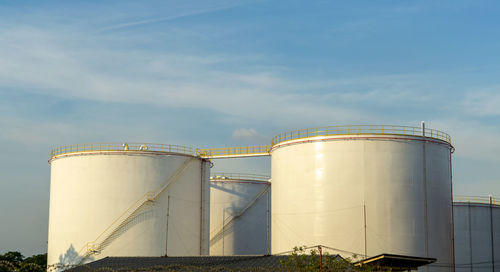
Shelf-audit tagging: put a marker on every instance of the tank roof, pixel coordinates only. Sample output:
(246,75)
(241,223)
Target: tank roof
(362,130)
(121,147)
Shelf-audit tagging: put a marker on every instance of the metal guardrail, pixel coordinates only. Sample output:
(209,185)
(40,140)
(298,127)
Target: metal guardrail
(239,176)
(232,152)
(360,129)
(476,199)
(225,152)
(122,147)
(259,150)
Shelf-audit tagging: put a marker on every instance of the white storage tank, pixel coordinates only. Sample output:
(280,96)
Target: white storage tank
(366,190)
(127,200)
(477,233)
(239,214)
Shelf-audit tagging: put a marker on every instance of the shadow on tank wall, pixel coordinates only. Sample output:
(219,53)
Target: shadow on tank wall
(70,259)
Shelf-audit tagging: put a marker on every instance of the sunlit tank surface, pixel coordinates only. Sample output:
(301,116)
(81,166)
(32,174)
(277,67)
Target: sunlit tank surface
(127,200)
(239,214)
(364,190)
(477,233)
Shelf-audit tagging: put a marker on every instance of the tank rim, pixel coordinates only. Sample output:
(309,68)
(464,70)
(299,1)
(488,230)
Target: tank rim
(362,130)
(121,148)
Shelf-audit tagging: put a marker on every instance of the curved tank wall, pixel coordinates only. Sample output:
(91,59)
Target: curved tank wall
(363,193)
(477,233)
(239,214)
(142,200)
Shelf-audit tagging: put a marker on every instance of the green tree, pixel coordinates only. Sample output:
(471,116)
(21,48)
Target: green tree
(14,261)
(40,259)
(301,261)
(6,266)
(31,267)
(10,261)
(14,257)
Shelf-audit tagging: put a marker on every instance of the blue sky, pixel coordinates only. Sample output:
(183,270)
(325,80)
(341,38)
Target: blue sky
(236,73)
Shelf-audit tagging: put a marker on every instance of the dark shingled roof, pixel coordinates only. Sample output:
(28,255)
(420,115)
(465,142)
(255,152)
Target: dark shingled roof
(195,263)
(397,262)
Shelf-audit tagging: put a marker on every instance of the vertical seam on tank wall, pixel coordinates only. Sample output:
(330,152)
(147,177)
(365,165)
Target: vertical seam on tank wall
(364,217)
(267,220)
(201,204)
(452,223)
(223,228)
(364,204)
(492,244)
(166,234)
(470,237)
(426,221)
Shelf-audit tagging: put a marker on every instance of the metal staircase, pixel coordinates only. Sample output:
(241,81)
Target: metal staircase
(119,225)
(220,231)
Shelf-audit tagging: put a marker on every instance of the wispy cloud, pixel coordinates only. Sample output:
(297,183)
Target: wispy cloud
(177,80)
(250,136)
(473,139)
(200,8)
(483,102)
(244,133)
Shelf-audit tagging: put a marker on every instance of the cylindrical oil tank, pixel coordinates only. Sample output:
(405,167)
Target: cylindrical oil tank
(239,214)
(127,199)
(477,233)
(364,190)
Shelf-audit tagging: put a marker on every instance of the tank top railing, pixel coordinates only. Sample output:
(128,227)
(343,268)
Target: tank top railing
(359,130)
(254,151)
(96,147)
(476,199)
(210,153)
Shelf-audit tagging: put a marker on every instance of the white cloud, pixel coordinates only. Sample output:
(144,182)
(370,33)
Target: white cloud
(245,133)
(51,63)
(472,139)
(54,63)
(250,135)
(43,62)
(483,102)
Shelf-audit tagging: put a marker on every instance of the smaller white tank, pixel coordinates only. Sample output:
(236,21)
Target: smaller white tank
(239,214)
(477,233)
